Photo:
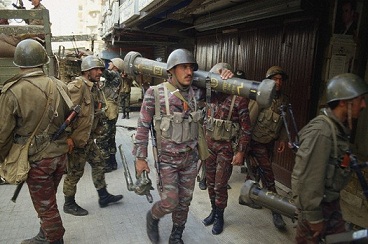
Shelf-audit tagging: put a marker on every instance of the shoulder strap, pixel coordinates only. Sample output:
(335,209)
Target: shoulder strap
(231,107)
(62,92)
(176,92)
(157,114)
(333,130)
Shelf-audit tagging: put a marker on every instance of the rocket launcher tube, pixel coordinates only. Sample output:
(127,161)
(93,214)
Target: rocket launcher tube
(262,92)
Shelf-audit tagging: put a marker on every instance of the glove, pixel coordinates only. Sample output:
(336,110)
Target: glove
(70,143)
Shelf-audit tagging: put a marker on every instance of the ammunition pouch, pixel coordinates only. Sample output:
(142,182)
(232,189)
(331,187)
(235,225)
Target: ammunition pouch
(337,177)
(267,126)
(37,145)
(111,110)
(178,129)
(221,130)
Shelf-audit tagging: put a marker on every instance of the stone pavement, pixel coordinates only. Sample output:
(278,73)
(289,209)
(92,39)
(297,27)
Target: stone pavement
(124,222)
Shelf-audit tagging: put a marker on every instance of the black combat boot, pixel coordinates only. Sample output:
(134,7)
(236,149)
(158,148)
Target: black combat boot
(123,117)
(60,241)
(127,115)
(218,225)
(176,233)
(152,228)
(38,239)
(71,207)
(211,217)
(106,198)
(278,221)
(202,184)
(112,162)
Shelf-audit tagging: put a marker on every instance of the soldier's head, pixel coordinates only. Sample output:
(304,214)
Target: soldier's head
(116,63)
(30,53)
(180,66)
(35,2)
(92,68)
(346,96)
(277,74)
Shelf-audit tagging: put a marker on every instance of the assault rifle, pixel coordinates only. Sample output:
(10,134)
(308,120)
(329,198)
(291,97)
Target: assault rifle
(75,111)
(19,6)
(284,109)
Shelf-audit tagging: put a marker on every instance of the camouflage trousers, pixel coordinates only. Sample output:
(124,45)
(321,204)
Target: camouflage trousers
(262,152)
(125,102)
(43,180)
(178,173)
(106,142)
(333,220)
(76,164)
(218,171)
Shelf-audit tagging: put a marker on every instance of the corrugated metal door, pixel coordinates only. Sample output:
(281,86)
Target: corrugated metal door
(290,44)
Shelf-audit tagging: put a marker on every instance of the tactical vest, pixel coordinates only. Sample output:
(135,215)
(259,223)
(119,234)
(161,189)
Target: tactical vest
(175,127)
(222,130)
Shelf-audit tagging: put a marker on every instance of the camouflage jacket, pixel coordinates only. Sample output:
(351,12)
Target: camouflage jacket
(112,84)
(146,118)
(220,104)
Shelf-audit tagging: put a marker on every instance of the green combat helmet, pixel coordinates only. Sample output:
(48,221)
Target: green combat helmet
(30,53)
(274,70)
(91,62)
(181,56)
(345,86)
(119,63)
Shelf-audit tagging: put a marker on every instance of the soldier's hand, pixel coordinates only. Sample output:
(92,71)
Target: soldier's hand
(70,143)
(140,166)
(226,74)
(317,228)
(281,147)
(238,159)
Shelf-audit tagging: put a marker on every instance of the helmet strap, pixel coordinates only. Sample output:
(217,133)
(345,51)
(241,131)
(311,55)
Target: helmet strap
(350,122)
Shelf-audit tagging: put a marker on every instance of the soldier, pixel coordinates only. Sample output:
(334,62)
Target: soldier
(231,111)
(319,172)
(178,152)
(106,141)
(125,94)
(36,5)
(84,91)
(267,127)
(31,100)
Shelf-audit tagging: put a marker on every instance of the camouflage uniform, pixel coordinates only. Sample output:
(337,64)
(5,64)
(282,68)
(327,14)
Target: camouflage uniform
(85,92)
(263,141)
(125,96)
(22,106)
(218,165)
(178,161)
(106,141)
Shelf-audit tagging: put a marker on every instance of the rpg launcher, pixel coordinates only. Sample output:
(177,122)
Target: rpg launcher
(142,186)
(262,92)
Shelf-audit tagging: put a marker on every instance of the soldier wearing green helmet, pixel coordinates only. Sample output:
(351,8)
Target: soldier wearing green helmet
(85,92)
(320,172)
(31,104)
